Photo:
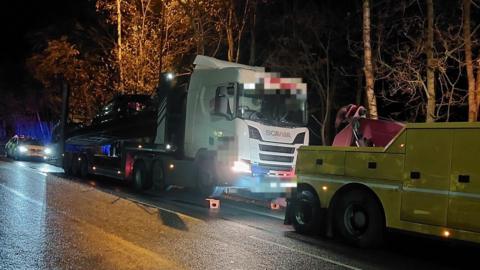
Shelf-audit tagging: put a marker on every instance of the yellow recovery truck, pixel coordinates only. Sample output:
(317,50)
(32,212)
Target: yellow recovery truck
(425,179)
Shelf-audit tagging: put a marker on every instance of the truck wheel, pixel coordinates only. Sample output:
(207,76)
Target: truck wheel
(158,175)
(83,167)
(75,165)
(306,216)
(139,175)
(205,183)
(359,219)
(67,164)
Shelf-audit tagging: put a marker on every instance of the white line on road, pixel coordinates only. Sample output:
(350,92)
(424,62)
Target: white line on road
(21,195)
(306,253)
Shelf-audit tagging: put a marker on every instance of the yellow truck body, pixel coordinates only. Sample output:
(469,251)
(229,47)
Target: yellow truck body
(427,180)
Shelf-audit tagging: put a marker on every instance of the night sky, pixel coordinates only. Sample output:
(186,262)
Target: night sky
(21,23)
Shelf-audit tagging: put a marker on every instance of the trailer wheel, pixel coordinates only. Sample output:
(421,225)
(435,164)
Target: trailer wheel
(139,175)
(359,219)
(67,163)
(75,165)
(158,175)
(306,211)
(83,167)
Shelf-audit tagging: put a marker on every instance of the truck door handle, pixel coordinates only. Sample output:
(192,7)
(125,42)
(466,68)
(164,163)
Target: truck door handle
(415,175)
(372,165)
(464,178)
(319,161)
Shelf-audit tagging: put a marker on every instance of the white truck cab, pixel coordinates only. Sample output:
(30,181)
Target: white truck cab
(251,122)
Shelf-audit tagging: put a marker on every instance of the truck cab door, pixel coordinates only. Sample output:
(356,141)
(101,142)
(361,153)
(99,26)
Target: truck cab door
(426,180)
(464,204)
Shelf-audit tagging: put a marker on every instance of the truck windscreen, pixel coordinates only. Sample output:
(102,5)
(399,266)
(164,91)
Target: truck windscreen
(272,106)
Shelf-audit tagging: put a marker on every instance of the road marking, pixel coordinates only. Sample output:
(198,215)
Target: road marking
(306,253)
(21,195)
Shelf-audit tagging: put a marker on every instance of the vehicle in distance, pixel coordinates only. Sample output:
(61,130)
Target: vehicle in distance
(21,147)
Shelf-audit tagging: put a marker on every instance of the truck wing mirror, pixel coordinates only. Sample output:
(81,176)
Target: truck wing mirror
(222,105)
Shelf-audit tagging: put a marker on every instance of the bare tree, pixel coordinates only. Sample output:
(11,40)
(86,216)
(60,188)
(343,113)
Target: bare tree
(119,45)
(431,100)
(472,99)
(368,66)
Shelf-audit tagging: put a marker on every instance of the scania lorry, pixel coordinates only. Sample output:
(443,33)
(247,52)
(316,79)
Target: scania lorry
(419,177)
(226,124)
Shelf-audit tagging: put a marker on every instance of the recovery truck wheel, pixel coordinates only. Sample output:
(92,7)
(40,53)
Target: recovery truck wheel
(140,180)
(359,219)
(158,175)
(306,215)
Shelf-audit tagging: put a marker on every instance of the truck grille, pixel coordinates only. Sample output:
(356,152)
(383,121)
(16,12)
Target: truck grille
(277,149)
(276,158)
(275,167)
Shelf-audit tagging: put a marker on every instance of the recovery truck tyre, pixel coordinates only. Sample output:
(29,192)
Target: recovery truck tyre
(359,219)
(306,215)
(158,176)
(140,176)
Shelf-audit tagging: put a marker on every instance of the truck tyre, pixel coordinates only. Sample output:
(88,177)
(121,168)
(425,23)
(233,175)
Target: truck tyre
(206,182)
(306,215)
(158,176)
(67,164)
(139,175)
(83,167)
(75,165)
(359,219)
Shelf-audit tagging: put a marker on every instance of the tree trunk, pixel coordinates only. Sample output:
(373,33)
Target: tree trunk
(431,100)
(119,44)
(478,86)
(230,38)
(251,60)
(472,98)
(369,79)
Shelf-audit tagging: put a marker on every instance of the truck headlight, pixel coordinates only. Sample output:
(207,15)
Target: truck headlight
(241,166)
(22,149)
(47,151)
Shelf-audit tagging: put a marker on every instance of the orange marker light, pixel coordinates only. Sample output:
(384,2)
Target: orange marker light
(324,188)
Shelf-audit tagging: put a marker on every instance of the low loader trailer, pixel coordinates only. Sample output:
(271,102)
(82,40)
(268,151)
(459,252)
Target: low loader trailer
(226,125)
(422,178)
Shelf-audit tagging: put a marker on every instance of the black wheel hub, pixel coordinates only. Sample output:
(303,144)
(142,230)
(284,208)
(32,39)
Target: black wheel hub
(355,220)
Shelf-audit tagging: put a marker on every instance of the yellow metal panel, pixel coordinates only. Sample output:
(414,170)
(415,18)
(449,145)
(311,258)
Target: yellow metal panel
(374,165)
(426,176)
(464,205)
(398,144)
(320,162)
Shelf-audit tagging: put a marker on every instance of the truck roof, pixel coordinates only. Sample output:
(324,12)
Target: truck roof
(205,62)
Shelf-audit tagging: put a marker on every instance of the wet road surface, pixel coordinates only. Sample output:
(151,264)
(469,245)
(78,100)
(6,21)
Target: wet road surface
(48,221)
